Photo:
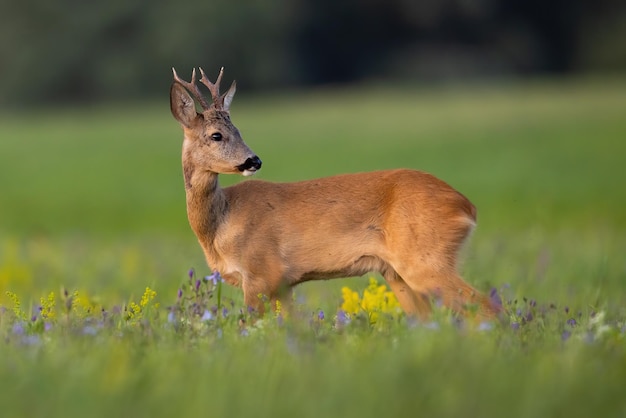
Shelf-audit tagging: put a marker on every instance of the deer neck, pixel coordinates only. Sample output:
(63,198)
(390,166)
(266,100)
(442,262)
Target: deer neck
(206,202)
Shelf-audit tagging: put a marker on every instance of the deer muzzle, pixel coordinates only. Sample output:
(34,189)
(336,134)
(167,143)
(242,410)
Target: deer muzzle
(251,165)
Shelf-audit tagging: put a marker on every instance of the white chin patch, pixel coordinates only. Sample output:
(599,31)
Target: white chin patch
(249,172)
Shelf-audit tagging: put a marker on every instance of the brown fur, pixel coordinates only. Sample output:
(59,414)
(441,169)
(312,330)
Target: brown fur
(268,237)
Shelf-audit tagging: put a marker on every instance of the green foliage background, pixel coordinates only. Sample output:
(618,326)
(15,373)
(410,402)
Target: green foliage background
(69,51)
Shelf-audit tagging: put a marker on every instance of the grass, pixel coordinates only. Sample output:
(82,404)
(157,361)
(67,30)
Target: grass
(92,201)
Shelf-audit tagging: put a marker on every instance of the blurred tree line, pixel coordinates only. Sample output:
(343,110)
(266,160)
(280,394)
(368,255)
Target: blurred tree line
(72,50)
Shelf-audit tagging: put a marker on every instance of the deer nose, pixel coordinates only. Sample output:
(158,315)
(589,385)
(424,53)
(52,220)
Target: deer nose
(255,162)
(251,165)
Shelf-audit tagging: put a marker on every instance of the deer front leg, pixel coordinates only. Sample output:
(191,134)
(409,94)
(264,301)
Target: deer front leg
(257,291)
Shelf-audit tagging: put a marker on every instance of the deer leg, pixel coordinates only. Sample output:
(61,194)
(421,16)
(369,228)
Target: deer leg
(284,299)
(254,295)
(451,290)
(413,304)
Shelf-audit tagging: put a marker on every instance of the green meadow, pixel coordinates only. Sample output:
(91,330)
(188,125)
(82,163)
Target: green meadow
(92,212)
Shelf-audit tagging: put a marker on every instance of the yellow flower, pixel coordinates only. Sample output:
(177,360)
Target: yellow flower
(17,305)
(47,306)
(82,306)
(148,295)
(351,301)
(376,299)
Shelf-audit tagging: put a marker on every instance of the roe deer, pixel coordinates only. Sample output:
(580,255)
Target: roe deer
(268,237)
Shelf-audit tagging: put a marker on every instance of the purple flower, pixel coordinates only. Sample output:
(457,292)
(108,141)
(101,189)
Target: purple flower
(224,312)
(485,326)
(320,315)
(171,317)
(342,317)
(198,283)
(532,303)
(571,322)
(190,273)
(565,336)
(515,326)
(215,278)
(180,293)
(18,328)
(207,316)
(495,299)
(529,316)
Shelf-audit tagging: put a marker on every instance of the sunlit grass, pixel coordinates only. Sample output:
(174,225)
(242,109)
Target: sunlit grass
(92,212)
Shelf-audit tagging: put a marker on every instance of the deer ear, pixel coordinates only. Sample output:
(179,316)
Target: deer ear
(182,105)
(228,96)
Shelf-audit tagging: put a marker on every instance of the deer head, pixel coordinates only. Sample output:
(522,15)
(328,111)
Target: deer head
(212,143)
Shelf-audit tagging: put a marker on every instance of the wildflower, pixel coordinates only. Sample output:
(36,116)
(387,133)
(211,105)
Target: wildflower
(133,311)
(376,299)
(18,328)
(47,306)
(180,294)
(515,326)
(17,305)
(571,322)
(342,318)
(207,316)
(320,315)
(198,283)
(485,326)
(214,278)
(494,298)
(148,295)
(191,273)
(171,317)
(224,312)
(279,308)
(351,301)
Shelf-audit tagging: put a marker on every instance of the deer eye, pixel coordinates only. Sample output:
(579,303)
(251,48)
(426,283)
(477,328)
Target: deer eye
(216,136)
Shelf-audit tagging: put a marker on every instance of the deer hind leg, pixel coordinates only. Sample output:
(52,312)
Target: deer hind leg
(446,286)
(413,303)
(432,273)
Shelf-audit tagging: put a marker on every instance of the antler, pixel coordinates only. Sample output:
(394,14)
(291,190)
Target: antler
(193,87)
(213,88)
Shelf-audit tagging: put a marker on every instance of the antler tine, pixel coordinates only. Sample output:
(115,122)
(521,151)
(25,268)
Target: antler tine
(192,87)
(214,88)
